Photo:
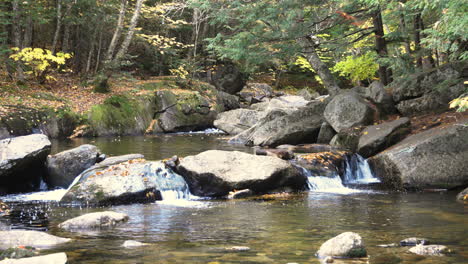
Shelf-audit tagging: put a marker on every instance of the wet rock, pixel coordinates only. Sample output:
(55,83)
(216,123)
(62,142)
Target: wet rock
(63,167)
(99,220)
(237,249)
(435,158)
(172,162)
(22,162)
(310,148)
(326,134)
(81,131)
(347,245)
(228,78)
(4,133)
(236,121)
(347,139)
(325,164)
(463,196)
(118,159)
(347,110)
(285,126)
(134,181)
(430,250)
(376,138)
(133,244)
(388,245)
(36,239)
(215,173)
(329,260)
(413,241)
(4,209)
(240,194)
(279,153)
(57,258)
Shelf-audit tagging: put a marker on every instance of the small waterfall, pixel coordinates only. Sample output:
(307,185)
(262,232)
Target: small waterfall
(358,171)
(171,185)
(326,184)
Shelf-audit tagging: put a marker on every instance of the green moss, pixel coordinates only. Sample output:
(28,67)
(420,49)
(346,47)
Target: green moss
(357,253)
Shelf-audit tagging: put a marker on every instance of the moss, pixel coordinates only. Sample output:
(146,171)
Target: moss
(357,253)
(17,253)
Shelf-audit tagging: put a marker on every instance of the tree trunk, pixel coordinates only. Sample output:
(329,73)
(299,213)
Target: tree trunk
(381,46)
(66,28)
(128,39)
(98,56)
(58,26)
(118,30)
(417,39)
(28,33)
(16,34)
(317,64)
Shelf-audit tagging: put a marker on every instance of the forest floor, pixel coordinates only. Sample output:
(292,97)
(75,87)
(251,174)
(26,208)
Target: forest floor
(80,98)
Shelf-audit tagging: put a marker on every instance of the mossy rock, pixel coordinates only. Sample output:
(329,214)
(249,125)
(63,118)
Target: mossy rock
(17,253)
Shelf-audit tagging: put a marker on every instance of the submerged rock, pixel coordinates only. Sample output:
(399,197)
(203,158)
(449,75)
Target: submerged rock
(413,241)
(376,138)
(347,110)
(346,245)
(133,244)
(430,250)
(134,181)
(63,167)
(36,239)
(97,220)
(22,162)
(57,258)
(237,249)
(435,158)
(216,173)
(463,196)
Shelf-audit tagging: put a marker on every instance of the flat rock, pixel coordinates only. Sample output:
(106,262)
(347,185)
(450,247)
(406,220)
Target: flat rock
(216,173)
(347,245)
(98,220)
(133,244)
(36,239)
(63,167)
(430,250)
(413,241)
(22,162)
(236,121)
(376,138)
(435,158)
(57,258)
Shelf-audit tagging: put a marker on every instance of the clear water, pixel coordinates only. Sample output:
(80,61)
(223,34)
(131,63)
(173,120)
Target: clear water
(283,230)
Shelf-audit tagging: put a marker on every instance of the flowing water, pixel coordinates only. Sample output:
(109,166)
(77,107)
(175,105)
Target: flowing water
(284,230)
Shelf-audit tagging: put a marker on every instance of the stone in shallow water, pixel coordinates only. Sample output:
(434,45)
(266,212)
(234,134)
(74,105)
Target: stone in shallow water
(16,238)
(413,241)
(57,258)
(347,245)
(430,250)
(237,248)
(97,220)
(132,244)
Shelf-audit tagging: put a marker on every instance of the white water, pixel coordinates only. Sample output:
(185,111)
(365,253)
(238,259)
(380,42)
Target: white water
(357,171)
(329,185)
(206,131)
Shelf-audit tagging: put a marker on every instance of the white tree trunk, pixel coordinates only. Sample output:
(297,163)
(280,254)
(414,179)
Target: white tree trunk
(131,31)
(16,32)
(118,31)
(58,27)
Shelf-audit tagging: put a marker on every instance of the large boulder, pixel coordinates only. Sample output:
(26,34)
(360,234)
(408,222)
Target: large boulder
(134,181)
(285,126)
(379,137)
(22,162)
(56,258)
(347,110)
(98,220)
(345,245)
(215,173)
(228,78)
(63,167)
(228,101)
(378,95)
(430,91)
(326,133)
(435,158)
(236,121)
(183,112)
(36,239)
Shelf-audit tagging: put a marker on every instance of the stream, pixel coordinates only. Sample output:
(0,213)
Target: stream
(283,230)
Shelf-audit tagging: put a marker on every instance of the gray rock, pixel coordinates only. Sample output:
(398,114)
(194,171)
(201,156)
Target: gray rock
(463,196)
(347,245)
(347,139)
(22,162)
(57,258)
(261,89)
(285,126)
(435,158)
(347,110)
(413,241)
(308,95)
(291,102)
(228,78)
(63,167)
(135,181)
(98,220)
(36,239)
(228,101)
(237,249)
(4,133)
(236,121)
(326,133)
(379,137)
(378,95)
(430,250)
(133,244)
(215,173)
(284,154)
(118,159)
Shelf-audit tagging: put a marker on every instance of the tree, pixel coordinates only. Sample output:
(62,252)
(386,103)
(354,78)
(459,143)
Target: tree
(131,31)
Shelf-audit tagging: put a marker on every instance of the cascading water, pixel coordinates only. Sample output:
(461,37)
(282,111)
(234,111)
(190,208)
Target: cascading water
(327,184)
(358,171)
